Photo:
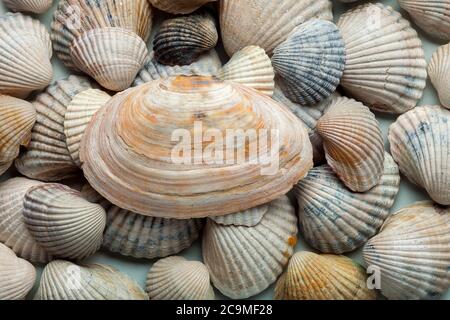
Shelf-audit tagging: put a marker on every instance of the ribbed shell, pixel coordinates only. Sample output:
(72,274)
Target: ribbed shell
(179,6)
(386,67)
(420,144)
(250,67)
(17,276)
(413,252)
(244,261)
(439,71)
(311,276)
(34,6)
(335,220)
(181,40)
(266,23)
(5,166)
(310,62)
(63,280)
(247,218)
(13,231)
(175,278)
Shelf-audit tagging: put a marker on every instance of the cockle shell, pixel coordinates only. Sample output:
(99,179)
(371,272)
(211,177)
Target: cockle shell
(412,252)
(34,6)
(13,231)
(179,6)
(247,218)
(311,276)
(335,220)
(439,71)
(244,261)
(17,276)
(26,50)
(156,176)
(420,144)
(5,166)
(63,280)
(353,144)
(266,23)
(310,62)
(250,67)
(175,278)
(386,67)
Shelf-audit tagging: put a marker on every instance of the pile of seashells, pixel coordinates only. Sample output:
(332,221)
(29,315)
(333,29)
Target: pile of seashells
(94,151)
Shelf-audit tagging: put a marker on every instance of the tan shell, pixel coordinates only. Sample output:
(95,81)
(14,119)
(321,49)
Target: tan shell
(179,6)
(439,71)
(5,166)
(34,6)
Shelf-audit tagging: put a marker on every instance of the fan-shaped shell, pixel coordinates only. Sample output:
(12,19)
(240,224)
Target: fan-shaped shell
(386,67)
(439,71)
(311,276)
(250,67)
(412,252)
(179,6)
(175,278)
(34,6)
(142,170)
(420,144)
(63,280)
(310,62)
(244,261)
(335,220)
(247,218)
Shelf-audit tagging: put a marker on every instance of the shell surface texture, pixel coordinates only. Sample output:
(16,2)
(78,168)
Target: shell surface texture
(247,218)
(34,6)
(179,6)
(439,71)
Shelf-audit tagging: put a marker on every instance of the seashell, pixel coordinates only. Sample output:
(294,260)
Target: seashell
(26,43)
(247,218)
(48,158)
(431,16)
(412,252)
(78,115)
(13,231)
(310,62)
(244,261)
(250,67)
(179,6)
(420,145)
(17,118)
(168,185)
(439,71)
(17,276)
(62,222)
(386,67)
(5,166)
(335,220)
(175,278)
(34,6)
(63,280)
(181,40)
(266,23)
(311,276)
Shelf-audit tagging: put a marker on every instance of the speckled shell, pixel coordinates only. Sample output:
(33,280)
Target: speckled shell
(63,280)
(386,67)
(135,169)
(34,6)
(179,6)
(353,144)
(244,261)
(420,144)
(175,278)
(13,231)
(335,220)
(310,62)
(439,71)
(26,43)
(412,252)
(311,276)
(250,67)
(17,276)
(247,218)
(266,23)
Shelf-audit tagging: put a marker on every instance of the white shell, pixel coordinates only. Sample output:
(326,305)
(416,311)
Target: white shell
(439,71)
(247,218)
(34,6)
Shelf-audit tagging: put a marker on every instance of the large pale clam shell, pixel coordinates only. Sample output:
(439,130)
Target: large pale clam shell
(412,252)
(386,67)
(34,6)
(439,71)
(175,278)
(244,261)
(420,144)
(179,6)
(247,218)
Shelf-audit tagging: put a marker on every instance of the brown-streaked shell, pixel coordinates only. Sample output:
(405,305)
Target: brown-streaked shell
(179,6)
(439,72)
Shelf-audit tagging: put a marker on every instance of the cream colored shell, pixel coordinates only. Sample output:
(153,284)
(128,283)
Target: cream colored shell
(34,6)
(439,71)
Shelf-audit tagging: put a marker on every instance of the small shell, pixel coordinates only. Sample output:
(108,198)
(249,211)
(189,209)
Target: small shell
(247,218)
(34,6)
(420,144)
(310,62)
(335,220)
(311,276)
(439,71)
(175,278)
(5,166)
(17,276)
(244,261)
(250,67)
(179,6)
(353,144)
(412,252)
(63,280)
(181,40)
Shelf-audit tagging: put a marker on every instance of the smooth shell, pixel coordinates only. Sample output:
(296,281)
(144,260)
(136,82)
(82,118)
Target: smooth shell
(439,71)
(247,218)
(34,6)
(179,6)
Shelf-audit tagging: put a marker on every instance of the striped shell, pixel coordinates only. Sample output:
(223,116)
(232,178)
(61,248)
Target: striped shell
(179,6)
(34,6)
(247,218)
(439,71)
